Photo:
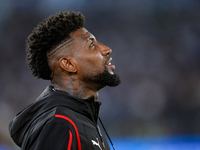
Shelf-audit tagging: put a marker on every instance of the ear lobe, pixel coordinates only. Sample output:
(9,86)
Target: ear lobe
(68,64)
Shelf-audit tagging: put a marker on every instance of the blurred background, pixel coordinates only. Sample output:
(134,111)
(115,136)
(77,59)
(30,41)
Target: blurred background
(156,52)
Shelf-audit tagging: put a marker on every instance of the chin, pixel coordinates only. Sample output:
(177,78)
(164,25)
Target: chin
(107,78)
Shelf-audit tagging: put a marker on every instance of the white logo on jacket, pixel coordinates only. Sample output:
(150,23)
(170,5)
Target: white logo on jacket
(96,143)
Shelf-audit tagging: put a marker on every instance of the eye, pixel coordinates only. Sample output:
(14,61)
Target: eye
(92,44)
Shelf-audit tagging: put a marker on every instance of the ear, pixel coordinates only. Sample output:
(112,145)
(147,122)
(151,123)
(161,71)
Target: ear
(68,64)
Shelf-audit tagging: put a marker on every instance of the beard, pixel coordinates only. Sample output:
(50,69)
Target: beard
(106,78)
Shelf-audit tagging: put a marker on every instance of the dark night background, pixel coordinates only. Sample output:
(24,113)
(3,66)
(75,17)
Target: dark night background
(156,52)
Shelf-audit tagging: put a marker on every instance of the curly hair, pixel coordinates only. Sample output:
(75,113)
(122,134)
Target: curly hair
(46,36)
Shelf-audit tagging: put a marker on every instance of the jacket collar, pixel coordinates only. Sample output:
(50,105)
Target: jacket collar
(88,107)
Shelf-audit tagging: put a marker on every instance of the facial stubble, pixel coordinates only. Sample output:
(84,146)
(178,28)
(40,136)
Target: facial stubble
(105,79)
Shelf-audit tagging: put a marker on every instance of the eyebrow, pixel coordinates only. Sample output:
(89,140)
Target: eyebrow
(91,39)
(88,36)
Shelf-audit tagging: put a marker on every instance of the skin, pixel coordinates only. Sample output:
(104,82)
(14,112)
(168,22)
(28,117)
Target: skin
(76,64)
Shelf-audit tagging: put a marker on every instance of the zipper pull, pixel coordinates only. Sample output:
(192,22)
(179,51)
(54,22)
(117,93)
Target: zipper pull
(101,136)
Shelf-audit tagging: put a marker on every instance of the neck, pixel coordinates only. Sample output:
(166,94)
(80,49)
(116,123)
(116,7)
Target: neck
(74,87)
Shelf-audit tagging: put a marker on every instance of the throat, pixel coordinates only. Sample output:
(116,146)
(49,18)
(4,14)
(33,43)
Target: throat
(76,88)
(78,92)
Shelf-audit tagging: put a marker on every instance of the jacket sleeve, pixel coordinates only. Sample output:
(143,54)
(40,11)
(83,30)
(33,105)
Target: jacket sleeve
(54,136)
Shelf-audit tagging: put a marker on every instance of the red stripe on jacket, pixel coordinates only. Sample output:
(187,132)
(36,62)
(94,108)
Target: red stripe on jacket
(76,130)
(70,141)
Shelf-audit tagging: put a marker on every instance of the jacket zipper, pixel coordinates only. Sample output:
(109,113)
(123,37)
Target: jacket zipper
(99,131)
(97,127)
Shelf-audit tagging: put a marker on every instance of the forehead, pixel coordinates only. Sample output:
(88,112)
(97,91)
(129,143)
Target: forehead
(82,33)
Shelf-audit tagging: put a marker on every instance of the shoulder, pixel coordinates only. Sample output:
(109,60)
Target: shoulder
(64,116)
(53,120)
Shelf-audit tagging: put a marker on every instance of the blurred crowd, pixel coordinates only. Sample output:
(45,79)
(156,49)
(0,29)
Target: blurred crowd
(156,52)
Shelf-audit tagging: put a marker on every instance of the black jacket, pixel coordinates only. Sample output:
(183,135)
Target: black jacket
(57,121)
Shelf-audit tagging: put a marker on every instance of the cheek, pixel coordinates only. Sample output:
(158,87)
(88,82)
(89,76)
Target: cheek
(92,64)
(92,60)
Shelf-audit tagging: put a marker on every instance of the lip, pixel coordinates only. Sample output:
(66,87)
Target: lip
(110,65)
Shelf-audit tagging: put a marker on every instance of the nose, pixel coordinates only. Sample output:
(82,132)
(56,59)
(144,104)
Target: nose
(105,50)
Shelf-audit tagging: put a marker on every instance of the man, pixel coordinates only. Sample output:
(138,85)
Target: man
(65,115)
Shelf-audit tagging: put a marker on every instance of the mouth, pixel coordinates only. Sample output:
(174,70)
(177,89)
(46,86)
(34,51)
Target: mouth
(110,66)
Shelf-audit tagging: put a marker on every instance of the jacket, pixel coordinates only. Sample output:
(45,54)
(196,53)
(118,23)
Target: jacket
(57,121)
